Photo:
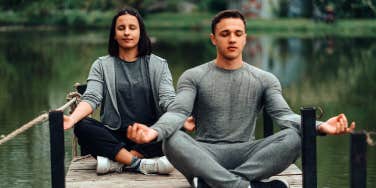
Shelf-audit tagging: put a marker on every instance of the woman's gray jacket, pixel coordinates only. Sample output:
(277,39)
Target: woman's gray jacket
(101,87)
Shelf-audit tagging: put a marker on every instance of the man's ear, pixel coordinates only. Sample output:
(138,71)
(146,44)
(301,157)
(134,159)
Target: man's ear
(212,38)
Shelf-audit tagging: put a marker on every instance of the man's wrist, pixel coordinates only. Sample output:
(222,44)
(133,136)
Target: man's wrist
(319,130)
(155,134)
(318,127)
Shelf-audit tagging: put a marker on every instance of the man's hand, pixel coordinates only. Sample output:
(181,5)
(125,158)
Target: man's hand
(189,124)
(141,133)
(68,122)
(337,125)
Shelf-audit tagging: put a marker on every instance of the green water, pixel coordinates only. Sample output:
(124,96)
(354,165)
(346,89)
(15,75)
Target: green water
(38,68)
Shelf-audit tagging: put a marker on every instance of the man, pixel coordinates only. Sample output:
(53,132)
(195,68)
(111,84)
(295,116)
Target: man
(225,96)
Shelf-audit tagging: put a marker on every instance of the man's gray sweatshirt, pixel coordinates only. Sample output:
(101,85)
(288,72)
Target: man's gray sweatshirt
(225,103)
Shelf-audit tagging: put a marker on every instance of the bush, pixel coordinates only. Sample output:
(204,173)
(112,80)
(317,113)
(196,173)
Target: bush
(11,18)
(80,18)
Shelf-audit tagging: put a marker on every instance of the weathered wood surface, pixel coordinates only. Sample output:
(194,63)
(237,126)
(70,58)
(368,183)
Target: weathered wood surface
(82,174)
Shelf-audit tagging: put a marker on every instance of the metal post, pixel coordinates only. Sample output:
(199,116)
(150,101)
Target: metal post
(309,147)
(57,149)
(358,160)
(268,124)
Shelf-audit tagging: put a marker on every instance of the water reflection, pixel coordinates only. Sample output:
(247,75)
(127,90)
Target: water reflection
(38,69)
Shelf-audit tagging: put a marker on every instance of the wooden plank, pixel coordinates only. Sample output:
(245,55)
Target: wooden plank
(82,173)
(291,170)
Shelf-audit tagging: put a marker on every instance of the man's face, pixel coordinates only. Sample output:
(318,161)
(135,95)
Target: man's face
(229,38)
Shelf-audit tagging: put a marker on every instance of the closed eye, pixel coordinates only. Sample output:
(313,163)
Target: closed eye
(239,33)
(224,33)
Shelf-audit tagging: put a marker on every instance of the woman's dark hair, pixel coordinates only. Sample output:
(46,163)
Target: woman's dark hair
(226,14)
(144,44)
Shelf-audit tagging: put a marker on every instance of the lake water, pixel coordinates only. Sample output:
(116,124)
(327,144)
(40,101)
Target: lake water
(38,69)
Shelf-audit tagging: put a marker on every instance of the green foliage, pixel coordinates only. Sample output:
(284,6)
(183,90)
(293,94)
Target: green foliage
(217,5)
(283,9)
(11,18)
(348,8)
(97,13)
(194,21)
(14,4)
(212,6)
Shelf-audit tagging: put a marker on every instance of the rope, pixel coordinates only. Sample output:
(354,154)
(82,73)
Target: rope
(368,135)
(369,138)
(38,120)
(66,105)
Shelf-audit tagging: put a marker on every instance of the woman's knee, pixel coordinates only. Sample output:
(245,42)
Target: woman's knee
(78,127)
(82,127)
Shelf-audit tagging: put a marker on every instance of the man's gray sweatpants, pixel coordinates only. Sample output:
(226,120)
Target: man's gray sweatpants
(230,165)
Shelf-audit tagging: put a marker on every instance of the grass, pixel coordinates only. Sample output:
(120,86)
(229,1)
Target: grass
(73,19)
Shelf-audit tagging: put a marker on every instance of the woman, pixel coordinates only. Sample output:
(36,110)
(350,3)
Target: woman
(132,86)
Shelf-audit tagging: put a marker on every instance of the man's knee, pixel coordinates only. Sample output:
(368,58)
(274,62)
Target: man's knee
(176,145)
(293,139)
(173,142)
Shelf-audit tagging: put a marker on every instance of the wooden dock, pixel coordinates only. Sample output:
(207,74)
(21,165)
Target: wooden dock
(82,174)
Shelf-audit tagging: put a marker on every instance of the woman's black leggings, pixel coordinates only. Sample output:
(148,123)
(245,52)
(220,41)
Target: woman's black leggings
(98,140)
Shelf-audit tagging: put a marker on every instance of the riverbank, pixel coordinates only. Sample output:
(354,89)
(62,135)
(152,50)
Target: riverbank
(280,27)
(77,19)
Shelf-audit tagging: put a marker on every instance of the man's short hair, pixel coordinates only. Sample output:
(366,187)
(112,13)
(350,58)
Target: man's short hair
(226,14)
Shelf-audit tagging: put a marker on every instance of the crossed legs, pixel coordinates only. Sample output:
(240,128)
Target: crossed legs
(232,164)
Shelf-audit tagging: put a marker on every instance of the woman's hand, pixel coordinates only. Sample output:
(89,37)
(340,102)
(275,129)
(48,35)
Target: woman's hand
(68,122)
(82,110)
(189,124)
(141,134)
(337,125)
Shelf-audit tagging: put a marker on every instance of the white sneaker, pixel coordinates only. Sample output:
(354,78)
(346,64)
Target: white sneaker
(105,165)
(199,183)
(158,165)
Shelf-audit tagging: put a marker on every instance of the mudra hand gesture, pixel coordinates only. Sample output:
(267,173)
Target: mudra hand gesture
(337,125)
(142,134)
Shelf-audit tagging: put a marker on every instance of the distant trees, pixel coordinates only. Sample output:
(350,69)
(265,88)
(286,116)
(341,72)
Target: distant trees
(45,8)
(348,8)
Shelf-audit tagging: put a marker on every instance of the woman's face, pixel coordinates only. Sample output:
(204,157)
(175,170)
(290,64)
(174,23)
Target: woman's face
(127,32)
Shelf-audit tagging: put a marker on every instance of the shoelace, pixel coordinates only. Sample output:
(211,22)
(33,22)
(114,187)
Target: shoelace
(117,167)
(147,168)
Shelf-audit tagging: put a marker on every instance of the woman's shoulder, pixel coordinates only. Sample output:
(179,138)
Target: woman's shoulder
(156,59)
(103,60)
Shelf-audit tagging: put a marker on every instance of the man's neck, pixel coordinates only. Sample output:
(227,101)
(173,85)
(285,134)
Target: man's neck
(229,64)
